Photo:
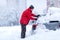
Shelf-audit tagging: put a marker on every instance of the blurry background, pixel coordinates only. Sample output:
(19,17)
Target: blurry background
(11,10)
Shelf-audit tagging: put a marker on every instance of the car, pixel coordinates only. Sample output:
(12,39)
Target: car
(52,19)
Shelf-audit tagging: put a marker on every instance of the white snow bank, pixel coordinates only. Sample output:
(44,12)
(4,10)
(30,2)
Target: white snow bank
(13,33)
(53,14)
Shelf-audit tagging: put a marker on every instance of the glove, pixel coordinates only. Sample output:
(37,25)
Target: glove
(37,16)
(36,19)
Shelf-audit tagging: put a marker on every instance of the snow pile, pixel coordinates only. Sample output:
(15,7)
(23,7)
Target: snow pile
(53,14)
(13,33)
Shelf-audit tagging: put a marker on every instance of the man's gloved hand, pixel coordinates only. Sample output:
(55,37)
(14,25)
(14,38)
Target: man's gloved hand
(37,15)
(35,18)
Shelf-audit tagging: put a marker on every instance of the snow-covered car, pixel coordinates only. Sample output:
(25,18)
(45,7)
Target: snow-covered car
(52,18)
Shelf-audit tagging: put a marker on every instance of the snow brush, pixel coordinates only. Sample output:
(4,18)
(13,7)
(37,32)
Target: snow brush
(35,22)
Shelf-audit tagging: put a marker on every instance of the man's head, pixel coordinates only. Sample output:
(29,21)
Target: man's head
(31,7)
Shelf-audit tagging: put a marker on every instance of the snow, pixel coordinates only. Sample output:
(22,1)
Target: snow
(3,3)
(13,33)
(52,15)
(39,6)
(10,14)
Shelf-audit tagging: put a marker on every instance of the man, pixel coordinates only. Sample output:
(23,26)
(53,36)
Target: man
(27,15)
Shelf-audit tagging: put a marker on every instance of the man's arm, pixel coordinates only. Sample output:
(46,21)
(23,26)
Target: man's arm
(33,14)
(30,16)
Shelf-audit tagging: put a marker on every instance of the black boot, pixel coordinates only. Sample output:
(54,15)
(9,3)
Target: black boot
(22,34)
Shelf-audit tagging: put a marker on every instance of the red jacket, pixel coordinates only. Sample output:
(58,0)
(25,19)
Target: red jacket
(27,16)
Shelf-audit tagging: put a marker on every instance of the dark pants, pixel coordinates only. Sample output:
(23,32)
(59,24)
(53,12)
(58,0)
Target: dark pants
(23,30)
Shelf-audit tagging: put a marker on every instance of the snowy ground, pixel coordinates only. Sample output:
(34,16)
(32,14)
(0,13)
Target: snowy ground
(13,33)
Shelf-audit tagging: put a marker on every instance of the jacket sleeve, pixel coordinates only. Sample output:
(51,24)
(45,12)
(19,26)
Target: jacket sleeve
(33,14)
(30,16)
